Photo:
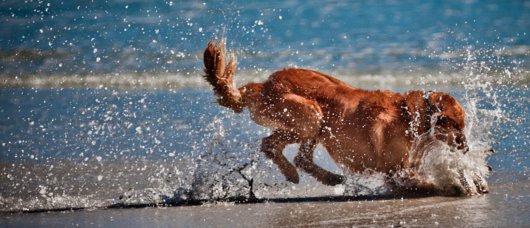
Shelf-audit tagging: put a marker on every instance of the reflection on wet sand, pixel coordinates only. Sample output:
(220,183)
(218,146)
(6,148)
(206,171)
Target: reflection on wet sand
(506,206)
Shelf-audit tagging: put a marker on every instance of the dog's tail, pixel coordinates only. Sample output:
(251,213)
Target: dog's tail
(221,76)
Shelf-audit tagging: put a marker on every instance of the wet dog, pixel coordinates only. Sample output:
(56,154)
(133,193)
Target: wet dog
(360,129)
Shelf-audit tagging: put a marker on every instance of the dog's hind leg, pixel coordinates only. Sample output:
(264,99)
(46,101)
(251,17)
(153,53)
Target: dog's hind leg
(304,161)
(273,146)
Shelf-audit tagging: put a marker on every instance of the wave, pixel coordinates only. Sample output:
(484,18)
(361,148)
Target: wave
(153,60)
(193,80)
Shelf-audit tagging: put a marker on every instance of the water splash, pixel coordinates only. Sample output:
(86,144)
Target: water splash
(441,170)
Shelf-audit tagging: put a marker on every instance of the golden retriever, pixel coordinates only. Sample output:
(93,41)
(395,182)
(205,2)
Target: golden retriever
(361,130)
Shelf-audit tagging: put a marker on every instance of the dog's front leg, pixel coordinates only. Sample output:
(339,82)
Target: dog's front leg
(304,161)
(273,147)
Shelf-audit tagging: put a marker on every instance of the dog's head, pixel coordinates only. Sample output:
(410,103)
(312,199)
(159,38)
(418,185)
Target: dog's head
(438,113)
(447,120)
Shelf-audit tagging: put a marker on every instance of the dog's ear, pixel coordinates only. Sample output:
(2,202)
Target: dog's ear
(417,110)
(447,108)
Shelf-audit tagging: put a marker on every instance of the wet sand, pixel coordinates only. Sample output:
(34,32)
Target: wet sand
(508,205)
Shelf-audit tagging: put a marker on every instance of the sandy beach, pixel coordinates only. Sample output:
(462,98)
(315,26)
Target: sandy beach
(506,206)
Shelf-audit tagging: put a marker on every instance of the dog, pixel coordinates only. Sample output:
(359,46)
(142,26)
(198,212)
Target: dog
(360,129)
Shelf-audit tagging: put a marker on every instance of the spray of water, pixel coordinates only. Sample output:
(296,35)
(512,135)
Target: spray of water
(441,170)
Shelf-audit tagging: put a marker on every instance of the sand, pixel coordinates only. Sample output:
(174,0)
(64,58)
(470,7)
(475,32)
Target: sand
(507,205)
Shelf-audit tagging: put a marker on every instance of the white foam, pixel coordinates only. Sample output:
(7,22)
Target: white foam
(388,80)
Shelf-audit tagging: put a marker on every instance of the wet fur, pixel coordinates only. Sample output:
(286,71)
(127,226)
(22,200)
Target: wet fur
(360,129)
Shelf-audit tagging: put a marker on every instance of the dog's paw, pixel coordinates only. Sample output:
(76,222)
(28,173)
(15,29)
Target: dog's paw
(333,179)
(294,178)
(480,184)
(489,150)
(473,184)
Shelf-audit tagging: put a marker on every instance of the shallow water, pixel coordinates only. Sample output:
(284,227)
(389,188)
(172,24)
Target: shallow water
(86,148)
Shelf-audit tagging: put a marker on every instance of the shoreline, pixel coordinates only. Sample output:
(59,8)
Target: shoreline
(502,207)
(498,180)
(194,80)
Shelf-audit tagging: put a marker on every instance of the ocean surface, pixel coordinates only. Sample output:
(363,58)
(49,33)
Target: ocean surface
(102,105)
(153,37)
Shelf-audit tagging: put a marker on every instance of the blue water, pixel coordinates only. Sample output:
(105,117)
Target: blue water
(45,125)
(109,37)
(48,124)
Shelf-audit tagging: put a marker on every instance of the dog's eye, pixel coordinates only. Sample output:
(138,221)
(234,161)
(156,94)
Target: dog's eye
(446,122)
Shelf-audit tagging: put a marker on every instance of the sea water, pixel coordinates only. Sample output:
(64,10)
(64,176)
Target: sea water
(102,103)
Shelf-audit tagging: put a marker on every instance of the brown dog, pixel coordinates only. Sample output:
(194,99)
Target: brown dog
(360,129)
